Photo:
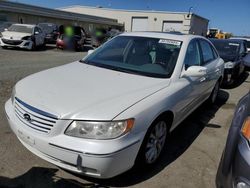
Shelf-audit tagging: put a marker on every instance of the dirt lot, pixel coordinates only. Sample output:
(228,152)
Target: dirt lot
(191,160)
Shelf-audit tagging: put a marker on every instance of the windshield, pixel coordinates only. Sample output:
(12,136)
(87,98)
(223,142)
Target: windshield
(48,28)
(226,47)
(137,55)
(21,28)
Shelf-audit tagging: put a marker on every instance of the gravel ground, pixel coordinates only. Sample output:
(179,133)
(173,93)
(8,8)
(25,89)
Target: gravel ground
(191,160)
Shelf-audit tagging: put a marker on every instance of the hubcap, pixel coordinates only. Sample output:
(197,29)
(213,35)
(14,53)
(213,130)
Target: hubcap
(156,142)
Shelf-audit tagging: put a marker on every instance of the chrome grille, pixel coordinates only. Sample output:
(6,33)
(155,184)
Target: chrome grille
(34,118)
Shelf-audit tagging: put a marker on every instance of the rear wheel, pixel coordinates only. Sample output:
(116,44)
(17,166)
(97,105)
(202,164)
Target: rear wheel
(154,143)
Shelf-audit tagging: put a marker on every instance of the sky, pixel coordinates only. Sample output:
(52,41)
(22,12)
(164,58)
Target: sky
(228,15)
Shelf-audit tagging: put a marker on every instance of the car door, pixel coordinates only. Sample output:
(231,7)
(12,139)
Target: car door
(37,38)
(41,36)
(193,87)
(210,60)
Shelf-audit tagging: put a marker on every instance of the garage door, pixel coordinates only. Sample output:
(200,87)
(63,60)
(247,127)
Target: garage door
(140,24)
(169,26)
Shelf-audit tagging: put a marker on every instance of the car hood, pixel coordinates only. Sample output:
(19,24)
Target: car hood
(81,91)
(14,35)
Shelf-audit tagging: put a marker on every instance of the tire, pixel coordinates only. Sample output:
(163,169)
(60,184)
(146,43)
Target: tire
(213,97)
(153,144)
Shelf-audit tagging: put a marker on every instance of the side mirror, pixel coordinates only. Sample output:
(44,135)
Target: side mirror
(36,33)
(90,52)
(5,29)
(195,71)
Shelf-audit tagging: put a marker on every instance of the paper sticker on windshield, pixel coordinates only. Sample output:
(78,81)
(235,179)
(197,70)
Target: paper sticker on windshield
(172,42)
(233,44)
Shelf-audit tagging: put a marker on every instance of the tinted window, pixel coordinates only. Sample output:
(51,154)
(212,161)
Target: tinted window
(226,47)
(139,55)
(207,52)
(192,55)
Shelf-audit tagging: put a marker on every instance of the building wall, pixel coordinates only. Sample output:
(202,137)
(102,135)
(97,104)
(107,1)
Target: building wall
(155,19)
(198,26)
(32,19)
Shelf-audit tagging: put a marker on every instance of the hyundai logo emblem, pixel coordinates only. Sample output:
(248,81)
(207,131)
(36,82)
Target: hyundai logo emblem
(27,117)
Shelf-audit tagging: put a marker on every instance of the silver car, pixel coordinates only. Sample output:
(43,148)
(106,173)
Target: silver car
(114,108)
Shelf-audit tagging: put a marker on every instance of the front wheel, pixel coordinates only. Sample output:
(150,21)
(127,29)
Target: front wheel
(153,144)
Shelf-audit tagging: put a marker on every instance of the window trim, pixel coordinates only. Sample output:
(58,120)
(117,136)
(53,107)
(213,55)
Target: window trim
(204,63)
(199,51)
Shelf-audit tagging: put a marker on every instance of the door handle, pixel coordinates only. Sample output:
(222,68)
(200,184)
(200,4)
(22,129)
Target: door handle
(202,79)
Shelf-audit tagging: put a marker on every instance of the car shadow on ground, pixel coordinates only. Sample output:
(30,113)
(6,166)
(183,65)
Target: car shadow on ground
(43,178)
(179,141)
(239,81)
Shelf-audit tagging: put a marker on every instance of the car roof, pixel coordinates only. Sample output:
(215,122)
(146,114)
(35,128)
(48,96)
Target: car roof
(240,38)
(163,35)
(227,40)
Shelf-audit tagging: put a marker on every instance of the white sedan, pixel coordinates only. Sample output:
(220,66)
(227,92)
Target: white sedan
(22,36)
(114,108)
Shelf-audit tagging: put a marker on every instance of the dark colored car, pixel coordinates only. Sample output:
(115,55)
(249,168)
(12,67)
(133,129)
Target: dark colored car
(232,51)
(73,41)
(234,168)
(5,25)
(51,31)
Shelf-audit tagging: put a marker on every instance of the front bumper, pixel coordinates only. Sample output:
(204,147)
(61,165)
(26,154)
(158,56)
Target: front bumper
(25,44)
(100,159)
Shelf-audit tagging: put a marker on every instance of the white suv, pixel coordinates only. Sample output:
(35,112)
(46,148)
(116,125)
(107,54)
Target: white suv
(22,36)
(100,115)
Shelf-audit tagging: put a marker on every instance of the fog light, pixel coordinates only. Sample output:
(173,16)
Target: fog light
(242,185)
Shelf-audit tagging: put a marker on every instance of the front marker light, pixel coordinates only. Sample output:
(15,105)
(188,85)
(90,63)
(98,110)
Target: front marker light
(246,129)
(99,130)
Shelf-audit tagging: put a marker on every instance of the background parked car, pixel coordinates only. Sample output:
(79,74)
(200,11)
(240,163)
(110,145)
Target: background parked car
(5,25)
(22,36)
(71,38)
(51,32)
(234,168)
(232,51)
(246,39)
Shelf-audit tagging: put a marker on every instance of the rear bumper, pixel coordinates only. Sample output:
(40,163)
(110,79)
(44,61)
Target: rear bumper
(64,151)
(25,44)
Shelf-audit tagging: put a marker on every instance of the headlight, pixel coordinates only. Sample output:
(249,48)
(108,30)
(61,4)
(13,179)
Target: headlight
(13,94)
(99,130)
(26,38)
(229,65)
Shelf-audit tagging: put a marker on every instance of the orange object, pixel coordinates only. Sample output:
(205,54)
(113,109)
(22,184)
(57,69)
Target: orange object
(246,128)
